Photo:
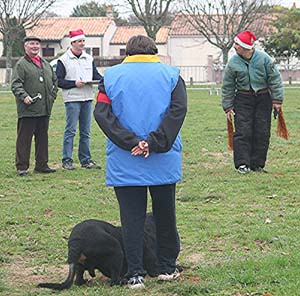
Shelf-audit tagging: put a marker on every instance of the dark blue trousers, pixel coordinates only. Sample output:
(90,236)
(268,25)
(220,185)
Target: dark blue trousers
(252,129)
(133,206)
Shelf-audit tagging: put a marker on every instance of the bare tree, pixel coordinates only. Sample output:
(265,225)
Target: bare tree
(152,14)
(17,16)
(220,21)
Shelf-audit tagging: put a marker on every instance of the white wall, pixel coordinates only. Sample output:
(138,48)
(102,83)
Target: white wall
(162,49)
(191,51)
(93,42)
(106,40)
(114,50)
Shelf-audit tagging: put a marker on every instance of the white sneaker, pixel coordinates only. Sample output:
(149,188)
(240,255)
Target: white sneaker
(169,276)
(243,169)
(136,282)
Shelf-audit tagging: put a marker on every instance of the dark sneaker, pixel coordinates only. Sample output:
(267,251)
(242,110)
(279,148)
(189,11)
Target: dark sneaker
(90,165)
(22,173)
(68,165)
(259,170)
(136,282)
(45,170)
(243,169)
(169,276)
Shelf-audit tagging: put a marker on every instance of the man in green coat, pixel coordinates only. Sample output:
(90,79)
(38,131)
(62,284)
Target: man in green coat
(251,87)
(34,85)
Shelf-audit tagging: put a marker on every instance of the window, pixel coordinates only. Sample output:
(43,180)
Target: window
(96,51)
(88,50)
(48,52)
(122,52)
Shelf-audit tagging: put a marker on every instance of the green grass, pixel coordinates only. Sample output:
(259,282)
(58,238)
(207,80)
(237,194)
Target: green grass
(239,234)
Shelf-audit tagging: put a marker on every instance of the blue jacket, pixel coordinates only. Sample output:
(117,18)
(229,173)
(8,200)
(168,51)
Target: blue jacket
(140,93)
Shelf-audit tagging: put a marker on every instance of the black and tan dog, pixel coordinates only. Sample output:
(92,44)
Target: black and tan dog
(96,244)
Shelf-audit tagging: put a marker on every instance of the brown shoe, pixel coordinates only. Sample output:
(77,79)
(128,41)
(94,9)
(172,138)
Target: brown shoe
(45,170)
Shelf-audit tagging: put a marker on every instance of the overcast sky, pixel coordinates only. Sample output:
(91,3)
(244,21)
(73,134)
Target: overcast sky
(65,7)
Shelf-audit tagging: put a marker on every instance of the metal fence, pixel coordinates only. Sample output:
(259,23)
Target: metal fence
(201,74)
(195,75)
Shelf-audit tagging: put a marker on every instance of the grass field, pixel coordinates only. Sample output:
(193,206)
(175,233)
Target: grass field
(240,235)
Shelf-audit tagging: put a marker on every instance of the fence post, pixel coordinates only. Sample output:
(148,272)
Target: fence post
(8,73)
(210,77)
(191,81)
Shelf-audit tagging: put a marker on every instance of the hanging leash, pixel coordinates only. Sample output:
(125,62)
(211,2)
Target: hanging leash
(281,126)
(230,134)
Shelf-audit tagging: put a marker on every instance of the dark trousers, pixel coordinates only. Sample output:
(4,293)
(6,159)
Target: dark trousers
(133,205)
(252,129)
(26,129)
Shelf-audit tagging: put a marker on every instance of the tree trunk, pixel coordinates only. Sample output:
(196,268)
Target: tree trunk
(225,52)
(151,32)
(9,44)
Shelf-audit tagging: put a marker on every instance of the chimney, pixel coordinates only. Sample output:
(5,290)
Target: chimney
(109,11)
(294,5)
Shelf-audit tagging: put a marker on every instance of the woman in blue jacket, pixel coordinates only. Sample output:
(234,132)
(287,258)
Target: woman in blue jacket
(141,113)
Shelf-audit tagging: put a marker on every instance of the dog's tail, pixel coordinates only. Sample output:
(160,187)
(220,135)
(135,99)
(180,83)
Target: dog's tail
(74,257)
(61,286)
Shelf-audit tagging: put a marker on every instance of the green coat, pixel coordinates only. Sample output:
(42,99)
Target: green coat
(29,80)
(258,73)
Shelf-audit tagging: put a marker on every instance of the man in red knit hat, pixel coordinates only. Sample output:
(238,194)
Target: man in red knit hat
(252,86)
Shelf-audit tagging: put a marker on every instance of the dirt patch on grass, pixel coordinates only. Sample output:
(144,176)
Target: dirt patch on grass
(21,276)
(19,273)
(219,159)
(195,258)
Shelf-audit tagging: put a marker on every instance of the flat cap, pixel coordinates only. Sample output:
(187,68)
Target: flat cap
(31,38)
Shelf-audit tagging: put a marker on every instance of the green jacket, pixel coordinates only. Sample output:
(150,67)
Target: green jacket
(258,73)
(29,80)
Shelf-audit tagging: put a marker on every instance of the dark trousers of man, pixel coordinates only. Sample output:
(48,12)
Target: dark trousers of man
(27,127)
(133,206)
(252,129)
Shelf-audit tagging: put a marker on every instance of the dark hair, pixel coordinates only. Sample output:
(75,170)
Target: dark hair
(141,45)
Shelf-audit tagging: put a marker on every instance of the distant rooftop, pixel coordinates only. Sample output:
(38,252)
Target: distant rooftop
(124,33)
(58,28)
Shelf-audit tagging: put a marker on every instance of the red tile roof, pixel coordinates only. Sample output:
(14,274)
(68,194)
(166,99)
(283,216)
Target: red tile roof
(124,33)
(181,26)
(58,28)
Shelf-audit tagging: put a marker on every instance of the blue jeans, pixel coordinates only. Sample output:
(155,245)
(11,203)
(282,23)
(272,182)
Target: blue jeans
(77,112)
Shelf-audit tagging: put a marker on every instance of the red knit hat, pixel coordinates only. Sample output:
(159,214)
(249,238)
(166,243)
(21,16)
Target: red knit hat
(76,35)
(245,39)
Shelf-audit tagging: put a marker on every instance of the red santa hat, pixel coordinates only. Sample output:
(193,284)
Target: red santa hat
(76,35)
(245,39)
